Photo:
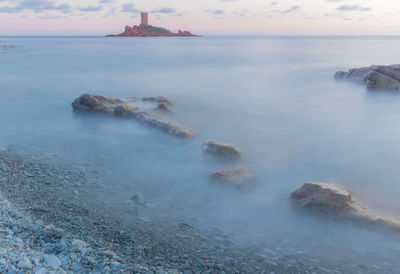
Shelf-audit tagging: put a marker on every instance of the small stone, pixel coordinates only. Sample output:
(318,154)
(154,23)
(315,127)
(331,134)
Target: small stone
(83,251)
(77,245)
(73,256)
(115,266)
(24,263)
(52,261)
(41,271)
(109,253)
(76,267)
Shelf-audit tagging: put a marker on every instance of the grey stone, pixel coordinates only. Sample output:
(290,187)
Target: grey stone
(24,263)
(77,245)
(52,261)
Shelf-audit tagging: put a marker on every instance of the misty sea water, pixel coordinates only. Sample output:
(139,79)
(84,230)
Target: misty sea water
(274,97)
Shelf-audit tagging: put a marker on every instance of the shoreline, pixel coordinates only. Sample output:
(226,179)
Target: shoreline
(58,211)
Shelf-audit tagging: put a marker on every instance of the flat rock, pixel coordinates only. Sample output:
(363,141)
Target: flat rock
(221,150)
(336,201)
(144,110)
(236,176)
(374,77)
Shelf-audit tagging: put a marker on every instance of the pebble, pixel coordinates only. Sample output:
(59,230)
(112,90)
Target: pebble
(24,263)
(52,261)
(77,245)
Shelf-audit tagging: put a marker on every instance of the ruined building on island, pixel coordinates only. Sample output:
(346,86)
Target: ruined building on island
(145,19)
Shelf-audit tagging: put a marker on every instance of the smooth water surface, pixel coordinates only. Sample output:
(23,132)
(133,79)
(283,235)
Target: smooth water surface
(274,97)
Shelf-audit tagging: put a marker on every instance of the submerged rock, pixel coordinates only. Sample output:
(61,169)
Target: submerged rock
(159,100)
(163,107)
(95,103)
(374,77)
(132,108)
(236,176)
(221,150)
(337,201)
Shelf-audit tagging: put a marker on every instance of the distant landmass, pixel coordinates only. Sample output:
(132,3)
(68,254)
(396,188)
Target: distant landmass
(146,30)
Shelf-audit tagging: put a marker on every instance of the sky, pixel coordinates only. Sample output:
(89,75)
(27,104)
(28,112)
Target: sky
(253,17)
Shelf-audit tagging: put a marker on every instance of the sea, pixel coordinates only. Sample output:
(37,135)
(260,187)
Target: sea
(274,97)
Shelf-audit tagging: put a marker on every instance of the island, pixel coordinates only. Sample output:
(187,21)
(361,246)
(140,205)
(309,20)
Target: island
(146,30)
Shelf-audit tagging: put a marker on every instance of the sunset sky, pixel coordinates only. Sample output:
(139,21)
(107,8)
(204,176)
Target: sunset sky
(99,17)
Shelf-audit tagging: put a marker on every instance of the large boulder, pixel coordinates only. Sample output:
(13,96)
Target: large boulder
(238,176)
(323,197)
(221,150)
(143,110)
(337,201)
(374,77)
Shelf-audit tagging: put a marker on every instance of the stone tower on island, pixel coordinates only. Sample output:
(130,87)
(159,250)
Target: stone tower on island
(145,19)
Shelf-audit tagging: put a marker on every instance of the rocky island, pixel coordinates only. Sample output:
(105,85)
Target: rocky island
(146,30)
(374,77)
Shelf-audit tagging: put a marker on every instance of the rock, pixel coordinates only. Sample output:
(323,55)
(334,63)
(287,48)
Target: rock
(221,150)
(41,271)
(236,176)
(24,263)
(336,201)
(159,100)
(165,126)
(131,108)
(324,197)
(95,103)
(77,245)
(52,261)
(124,111)
(109,253)
(115,266)
(138,198)
(163,107)
(76,267)
(374,77)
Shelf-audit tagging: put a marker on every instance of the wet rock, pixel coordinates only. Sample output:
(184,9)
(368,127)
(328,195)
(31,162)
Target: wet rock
(374,77)
(221,150)
(236,176)
(125,111)
(337,201)
(163,107)
(130,108)
(95,103)
(138,198)
(165,126)
(159,100)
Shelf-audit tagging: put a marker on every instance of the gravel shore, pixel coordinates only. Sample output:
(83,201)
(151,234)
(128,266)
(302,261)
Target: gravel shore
(50,223)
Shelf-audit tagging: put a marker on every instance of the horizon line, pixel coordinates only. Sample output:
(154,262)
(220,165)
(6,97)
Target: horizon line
(232,34)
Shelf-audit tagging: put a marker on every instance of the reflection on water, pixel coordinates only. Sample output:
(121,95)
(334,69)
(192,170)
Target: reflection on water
(275,98)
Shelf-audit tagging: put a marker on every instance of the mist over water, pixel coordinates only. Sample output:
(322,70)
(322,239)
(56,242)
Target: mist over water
(273,97)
